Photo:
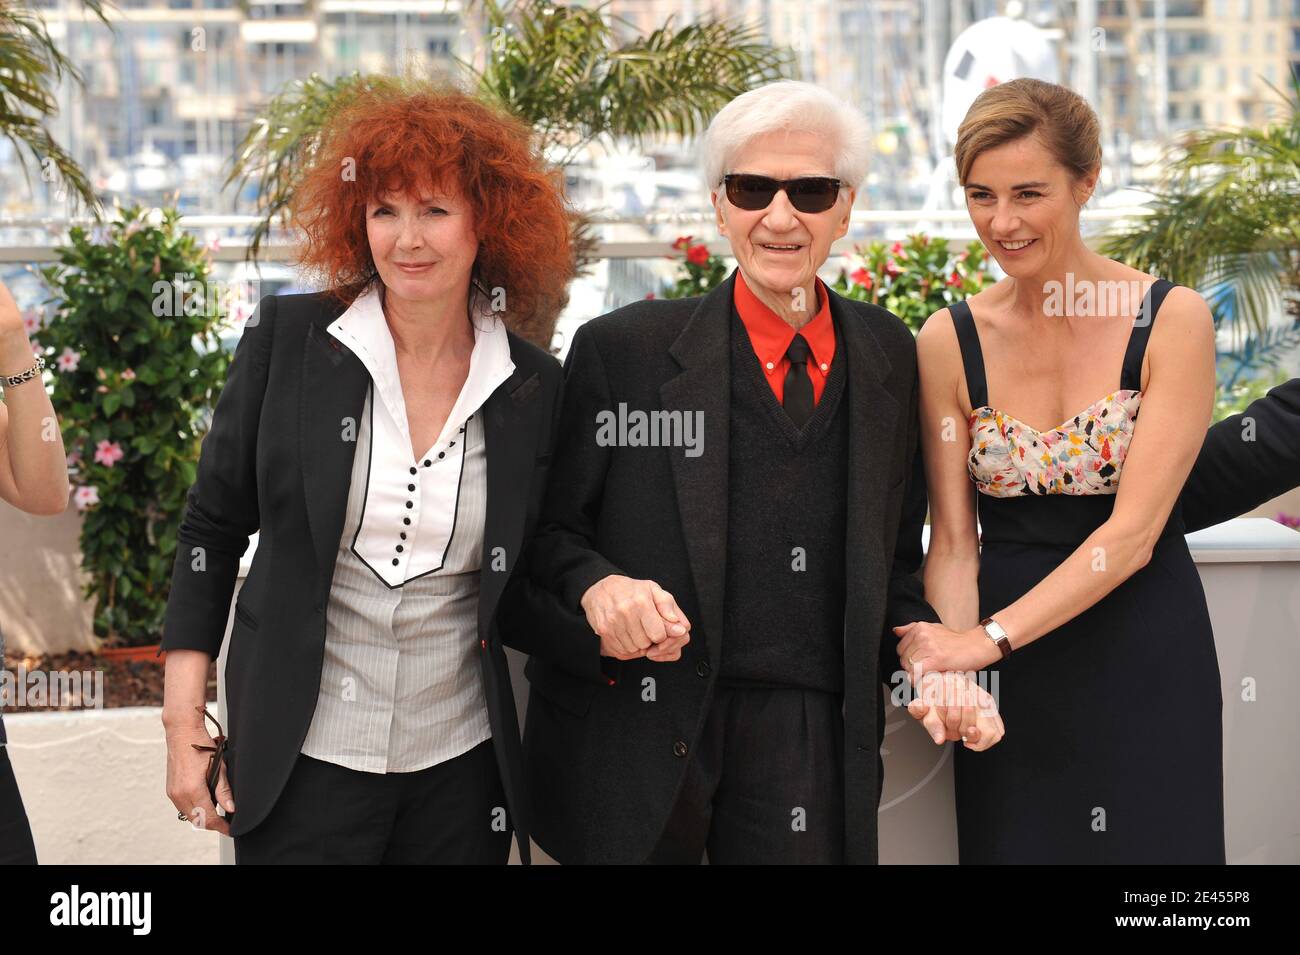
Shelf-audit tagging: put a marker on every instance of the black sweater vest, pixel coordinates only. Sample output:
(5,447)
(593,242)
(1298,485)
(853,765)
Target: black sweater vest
(785,588)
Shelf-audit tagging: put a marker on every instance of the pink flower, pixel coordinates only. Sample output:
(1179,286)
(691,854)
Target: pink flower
(128,375)
(31,320)
(863,278)
(108,453)
(85,496)
(74,459)
(698,254)
(898,251)
(68,360)
(892,269)
(214,243)
(650,295)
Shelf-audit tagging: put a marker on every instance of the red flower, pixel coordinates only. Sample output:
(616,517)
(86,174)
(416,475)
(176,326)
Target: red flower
(863,278)
(682,242)
(650,295)
(954,280)
(897,250)
(698,255)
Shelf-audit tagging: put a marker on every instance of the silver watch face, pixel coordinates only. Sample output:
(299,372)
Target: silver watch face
(994,630)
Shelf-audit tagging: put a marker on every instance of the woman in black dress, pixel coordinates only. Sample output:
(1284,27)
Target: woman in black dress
(1083,603)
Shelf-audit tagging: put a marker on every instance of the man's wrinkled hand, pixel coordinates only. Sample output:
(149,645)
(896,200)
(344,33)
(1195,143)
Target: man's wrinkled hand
(951,706)
(636,618)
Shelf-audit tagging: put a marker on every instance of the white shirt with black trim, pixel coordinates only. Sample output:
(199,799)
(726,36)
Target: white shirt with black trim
(400,685)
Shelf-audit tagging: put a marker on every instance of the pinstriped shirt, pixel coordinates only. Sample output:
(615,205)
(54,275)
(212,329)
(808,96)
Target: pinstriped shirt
(400,686)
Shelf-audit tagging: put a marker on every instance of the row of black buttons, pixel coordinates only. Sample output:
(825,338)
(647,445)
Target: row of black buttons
(411,487)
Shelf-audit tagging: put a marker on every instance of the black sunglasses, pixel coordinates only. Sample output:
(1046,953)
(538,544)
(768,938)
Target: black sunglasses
(807,193)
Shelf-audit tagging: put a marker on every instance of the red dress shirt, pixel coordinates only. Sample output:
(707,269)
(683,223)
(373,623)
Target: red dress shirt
(770,337)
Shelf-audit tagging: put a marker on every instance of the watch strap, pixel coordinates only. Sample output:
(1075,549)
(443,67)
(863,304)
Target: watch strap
(997,635)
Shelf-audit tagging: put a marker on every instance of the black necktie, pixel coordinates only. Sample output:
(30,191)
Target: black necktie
(798,399)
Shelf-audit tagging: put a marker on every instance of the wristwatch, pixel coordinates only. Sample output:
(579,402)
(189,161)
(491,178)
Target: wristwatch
(9,381)
(997,635)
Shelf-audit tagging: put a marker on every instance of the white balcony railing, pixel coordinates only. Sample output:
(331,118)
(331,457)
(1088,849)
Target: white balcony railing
(950,224)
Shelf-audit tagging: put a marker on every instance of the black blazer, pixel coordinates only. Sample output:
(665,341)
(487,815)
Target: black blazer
(1233,475)
(602,766)
(275,460)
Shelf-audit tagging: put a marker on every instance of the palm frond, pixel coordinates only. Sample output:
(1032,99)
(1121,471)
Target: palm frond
(1227,218)
(282,139)
(565,70)
(31,68)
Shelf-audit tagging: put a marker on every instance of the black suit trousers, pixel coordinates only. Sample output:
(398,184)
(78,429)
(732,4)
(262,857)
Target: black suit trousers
(765,784)
(450,813)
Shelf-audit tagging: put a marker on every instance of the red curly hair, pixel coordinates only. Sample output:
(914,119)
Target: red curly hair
(418,142)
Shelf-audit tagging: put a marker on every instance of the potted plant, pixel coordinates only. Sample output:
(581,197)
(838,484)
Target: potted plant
(133,342)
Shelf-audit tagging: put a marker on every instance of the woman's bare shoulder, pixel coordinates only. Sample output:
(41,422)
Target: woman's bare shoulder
(937,352)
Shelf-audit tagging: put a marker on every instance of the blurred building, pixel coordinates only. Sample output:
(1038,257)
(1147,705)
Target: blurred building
(171,90)
(170,93)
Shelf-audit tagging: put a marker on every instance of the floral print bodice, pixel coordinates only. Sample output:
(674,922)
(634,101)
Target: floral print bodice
(1084,455)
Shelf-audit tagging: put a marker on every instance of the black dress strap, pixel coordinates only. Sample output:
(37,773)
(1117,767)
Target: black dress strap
(1130,377)
(972,357)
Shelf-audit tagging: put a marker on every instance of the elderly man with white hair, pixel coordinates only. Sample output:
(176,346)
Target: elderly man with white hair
(734,509)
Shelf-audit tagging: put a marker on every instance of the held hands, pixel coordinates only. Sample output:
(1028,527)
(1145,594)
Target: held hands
(926,646)
(952,706)
(636,618)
